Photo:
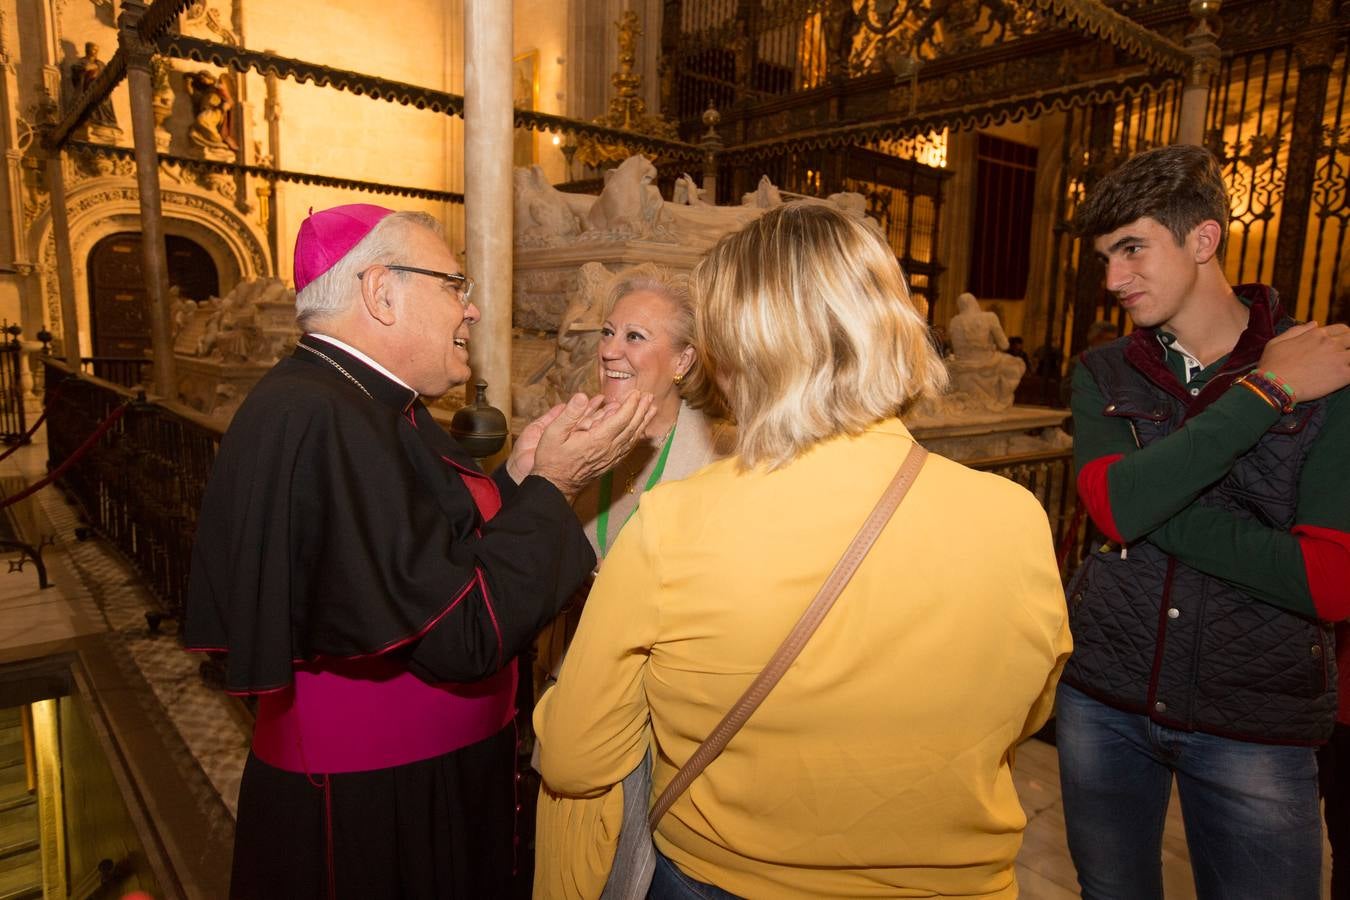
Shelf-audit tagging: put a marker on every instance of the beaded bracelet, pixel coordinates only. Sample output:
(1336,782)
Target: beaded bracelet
(1274,392)
(1279,383)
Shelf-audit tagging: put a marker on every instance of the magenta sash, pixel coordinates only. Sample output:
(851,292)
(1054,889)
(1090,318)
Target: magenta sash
(354,716)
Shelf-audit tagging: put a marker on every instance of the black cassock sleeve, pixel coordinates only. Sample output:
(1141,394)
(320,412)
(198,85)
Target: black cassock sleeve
(337,528)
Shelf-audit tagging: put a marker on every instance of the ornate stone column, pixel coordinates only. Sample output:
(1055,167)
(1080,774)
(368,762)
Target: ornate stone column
(12,183)
(154,263)
(1203,46)
(65,265)
(488,206)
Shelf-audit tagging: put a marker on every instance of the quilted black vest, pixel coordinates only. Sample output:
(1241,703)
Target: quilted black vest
(1154,636)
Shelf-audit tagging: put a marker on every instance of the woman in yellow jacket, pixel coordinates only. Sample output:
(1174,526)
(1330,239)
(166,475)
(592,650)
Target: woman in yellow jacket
(880,765)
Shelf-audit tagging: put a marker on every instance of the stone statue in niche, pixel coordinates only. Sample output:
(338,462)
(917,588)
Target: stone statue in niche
(979,367)
(161,101)
(212,129)
(83,73)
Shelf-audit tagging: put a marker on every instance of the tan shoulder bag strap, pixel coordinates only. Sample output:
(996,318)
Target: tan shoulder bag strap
(796,640)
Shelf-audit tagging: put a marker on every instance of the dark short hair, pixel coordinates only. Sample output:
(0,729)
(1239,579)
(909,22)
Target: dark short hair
(1178,186)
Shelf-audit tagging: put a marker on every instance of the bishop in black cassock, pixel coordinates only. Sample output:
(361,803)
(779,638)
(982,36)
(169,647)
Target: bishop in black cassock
(372,587)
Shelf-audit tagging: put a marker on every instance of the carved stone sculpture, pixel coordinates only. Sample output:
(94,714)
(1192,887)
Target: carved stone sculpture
(224,345)
(162,100)
(979,368)
(542,211)
(630,202)
(687,192)
(253,323)
(83,73)
(764,196)
(212,129)
(573,366)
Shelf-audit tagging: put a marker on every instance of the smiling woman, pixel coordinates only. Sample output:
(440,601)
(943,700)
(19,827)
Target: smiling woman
(646,344)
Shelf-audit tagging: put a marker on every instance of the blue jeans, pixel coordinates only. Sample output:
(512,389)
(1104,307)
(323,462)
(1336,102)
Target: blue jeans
(1251,810)
(669,883)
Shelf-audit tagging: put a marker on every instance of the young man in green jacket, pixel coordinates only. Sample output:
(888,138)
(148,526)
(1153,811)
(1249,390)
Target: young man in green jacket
(1211,447)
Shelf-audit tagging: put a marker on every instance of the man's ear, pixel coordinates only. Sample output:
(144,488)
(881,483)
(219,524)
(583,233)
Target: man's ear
(377,286)
(1208,236)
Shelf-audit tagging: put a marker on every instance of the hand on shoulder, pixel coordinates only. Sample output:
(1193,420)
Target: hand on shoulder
(1314,360)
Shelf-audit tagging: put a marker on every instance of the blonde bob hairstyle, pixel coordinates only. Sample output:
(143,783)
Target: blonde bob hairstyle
(694,388)
(809,329)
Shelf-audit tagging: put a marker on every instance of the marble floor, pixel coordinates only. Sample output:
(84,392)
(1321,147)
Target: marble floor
(95,593)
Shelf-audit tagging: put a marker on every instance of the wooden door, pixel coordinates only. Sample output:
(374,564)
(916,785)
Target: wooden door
(118,300)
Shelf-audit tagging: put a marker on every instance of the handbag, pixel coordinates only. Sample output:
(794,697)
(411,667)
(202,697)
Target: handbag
(635,857)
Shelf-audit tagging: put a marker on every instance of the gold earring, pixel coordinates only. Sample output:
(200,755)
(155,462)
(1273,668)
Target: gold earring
(679,378)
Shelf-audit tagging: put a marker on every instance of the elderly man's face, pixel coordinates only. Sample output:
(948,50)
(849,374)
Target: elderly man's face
(432,317)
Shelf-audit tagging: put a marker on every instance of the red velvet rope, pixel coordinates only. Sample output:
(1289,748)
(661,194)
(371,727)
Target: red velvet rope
(28,435)
(71,460)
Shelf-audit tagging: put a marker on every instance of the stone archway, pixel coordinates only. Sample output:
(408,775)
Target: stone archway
(106,206)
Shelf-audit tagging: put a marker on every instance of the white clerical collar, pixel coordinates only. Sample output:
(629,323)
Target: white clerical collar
(343,345)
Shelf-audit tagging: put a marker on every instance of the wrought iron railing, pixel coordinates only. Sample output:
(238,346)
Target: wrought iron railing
(127,372)
(13,419)
(140,487)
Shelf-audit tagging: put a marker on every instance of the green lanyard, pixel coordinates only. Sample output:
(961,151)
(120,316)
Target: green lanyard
(607,488)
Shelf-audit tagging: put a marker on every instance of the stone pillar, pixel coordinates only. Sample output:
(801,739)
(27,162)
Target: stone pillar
(488,205)
(65,264)
(957,225)
(1203,46)
(272,113)
(154,262)
(1041,283)
(12,182)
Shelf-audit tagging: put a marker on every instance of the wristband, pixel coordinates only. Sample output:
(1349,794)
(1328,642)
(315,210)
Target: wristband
(1279,383)
(1277,396)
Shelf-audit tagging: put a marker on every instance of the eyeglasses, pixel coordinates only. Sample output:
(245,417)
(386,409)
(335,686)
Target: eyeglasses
(459,283)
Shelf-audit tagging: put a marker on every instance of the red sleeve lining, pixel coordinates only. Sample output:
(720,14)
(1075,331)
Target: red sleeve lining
(1095,494)
(1326,561)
